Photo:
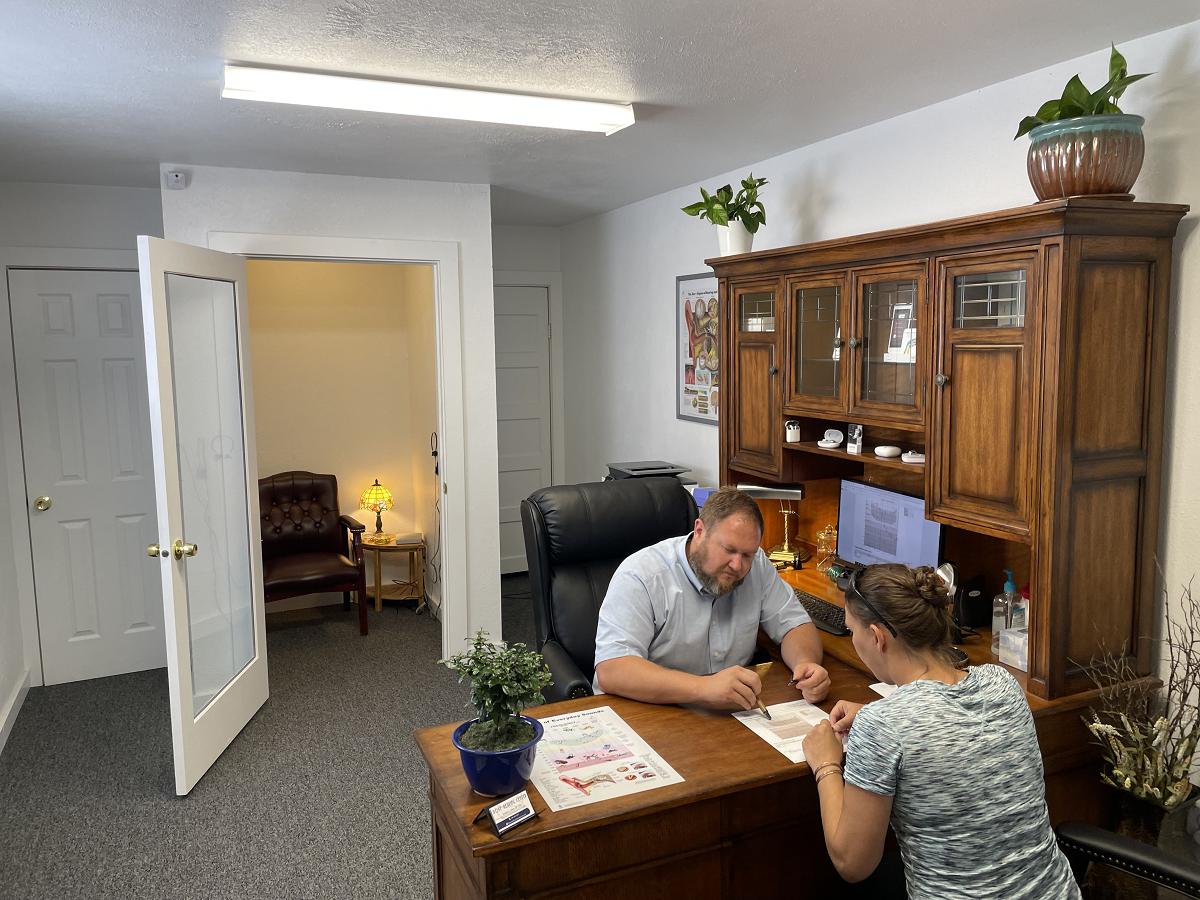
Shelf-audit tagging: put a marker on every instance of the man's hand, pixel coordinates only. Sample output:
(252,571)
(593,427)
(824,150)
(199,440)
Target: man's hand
(812,681)
(841,717)
(732,688)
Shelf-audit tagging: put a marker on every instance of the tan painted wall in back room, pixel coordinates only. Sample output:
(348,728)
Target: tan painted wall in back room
(341,366)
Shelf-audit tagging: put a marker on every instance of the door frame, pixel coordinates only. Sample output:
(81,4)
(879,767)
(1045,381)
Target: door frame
(552,282)
(444,257)
(14,469)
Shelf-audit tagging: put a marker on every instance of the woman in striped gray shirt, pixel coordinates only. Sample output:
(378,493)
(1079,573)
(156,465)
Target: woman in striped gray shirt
(950,758)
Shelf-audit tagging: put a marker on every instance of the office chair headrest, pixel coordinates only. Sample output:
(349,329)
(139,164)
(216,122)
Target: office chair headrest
(611,519)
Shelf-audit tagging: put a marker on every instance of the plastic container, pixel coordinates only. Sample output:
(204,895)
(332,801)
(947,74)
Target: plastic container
(1003,606)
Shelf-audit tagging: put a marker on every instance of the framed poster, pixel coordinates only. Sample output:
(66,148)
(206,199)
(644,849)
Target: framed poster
(697,340)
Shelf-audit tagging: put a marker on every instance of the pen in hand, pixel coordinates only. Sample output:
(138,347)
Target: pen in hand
(763,709)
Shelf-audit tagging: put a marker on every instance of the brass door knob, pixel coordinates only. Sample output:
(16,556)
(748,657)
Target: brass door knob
(855,343)
(154,551)
(43,503)
(941,379)
(181,549)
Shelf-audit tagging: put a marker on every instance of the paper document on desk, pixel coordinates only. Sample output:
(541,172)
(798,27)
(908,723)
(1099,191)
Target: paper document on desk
(789,724)
(593,755)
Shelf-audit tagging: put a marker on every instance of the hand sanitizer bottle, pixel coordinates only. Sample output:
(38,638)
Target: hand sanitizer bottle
(1002,609)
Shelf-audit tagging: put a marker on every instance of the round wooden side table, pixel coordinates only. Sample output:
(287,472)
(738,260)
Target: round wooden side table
(414,588)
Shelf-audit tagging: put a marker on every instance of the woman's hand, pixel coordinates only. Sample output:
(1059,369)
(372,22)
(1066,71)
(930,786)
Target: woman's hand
(841,717)
(822,746)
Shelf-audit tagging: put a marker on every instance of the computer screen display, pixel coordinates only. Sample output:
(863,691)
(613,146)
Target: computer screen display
(876,525)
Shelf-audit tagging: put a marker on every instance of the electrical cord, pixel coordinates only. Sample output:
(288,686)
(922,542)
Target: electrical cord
(435,569)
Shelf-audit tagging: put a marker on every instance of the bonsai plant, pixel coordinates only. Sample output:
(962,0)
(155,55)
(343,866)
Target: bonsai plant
(1081,142)
(737,216)
(497,748)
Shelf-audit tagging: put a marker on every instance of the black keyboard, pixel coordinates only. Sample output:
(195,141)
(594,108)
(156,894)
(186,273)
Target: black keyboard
(825,615)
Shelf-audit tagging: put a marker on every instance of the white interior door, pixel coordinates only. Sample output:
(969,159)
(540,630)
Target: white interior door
(194,312)
(522,409)
(85,438)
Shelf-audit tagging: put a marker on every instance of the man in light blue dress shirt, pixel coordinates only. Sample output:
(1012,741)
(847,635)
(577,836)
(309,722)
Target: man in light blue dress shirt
(680,620)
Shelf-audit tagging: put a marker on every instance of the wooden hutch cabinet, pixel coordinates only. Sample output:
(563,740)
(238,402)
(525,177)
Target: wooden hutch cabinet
(1023,351)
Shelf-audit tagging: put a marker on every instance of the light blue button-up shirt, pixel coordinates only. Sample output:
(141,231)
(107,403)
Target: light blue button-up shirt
(656,609)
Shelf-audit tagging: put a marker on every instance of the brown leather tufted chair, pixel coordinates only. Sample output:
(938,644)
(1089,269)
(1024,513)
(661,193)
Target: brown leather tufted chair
(305,541)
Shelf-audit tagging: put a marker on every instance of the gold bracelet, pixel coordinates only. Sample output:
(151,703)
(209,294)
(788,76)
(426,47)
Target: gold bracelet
(817,770)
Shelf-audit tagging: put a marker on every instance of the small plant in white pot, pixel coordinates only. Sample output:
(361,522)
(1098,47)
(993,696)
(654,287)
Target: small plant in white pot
(737,216)
(498,747)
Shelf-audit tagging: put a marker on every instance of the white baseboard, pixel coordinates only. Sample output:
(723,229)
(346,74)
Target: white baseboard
(10,708)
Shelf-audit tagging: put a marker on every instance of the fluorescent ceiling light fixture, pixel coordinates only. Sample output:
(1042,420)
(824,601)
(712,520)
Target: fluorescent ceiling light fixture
(408,99)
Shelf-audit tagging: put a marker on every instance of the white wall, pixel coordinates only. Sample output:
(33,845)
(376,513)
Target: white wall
(953,158)
(75,215)
(290,203)
(56,217)
(526,248)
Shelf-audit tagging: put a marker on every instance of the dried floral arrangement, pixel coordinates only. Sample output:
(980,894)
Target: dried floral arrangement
(1148,732)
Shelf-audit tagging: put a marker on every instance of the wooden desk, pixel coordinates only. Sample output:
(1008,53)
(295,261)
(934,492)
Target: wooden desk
(735,828)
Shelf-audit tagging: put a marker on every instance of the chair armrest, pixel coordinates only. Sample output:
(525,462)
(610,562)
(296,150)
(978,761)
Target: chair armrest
(569,682)
(353,529)
(1086,843)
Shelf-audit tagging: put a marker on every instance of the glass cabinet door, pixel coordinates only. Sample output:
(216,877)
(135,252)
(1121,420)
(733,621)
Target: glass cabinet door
(816,380)
(887,346)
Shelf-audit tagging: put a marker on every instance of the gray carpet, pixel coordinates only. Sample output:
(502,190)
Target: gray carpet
(323,795)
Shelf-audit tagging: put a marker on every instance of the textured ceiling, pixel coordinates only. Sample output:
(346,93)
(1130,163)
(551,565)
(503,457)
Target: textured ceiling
(96,92)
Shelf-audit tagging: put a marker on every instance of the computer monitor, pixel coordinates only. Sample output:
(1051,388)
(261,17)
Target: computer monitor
(876,525)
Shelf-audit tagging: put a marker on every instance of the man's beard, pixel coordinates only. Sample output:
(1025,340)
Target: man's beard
(710,583)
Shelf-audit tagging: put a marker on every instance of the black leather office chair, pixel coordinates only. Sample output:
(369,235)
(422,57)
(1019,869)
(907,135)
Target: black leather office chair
(1086,844)
(575,537)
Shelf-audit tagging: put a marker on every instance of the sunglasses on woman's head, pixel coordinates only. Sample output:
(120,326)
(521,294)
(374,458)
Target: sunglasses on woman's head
(852,588)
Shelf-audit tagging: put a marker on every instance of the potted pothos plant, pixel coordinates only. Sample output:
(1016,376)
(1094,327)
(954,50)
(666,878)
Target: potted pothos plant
(1081,142)
(498,746)
(737,216)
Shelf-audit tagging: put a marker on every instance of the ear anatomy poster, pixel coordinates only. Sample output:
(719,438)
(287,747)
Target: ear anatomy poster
(592,755)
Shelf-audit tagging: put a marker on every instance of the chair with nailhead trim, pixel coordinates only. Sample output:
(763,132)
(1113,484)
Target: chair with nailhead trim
(1086,845)
(308,547)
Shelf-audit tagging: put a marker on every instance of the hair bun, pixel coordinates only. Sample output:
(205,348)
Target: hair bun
(931,587)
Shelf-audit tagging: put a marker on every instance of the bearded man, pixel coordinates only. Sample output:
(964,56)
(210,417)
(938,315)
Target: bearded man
(680,620)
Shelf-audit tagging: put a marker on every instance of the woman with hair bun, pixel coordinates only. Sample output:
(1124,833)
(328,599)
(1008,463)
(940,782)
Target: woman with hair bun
(950,758)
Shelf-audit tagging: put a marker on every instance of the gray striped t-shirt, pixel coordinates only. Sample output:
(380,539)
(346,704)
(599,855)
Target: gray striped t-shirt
(963,767)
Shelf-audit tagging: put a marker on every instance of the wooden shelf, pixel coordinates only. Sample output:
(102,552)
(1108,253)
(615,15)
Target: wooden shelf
(866,457)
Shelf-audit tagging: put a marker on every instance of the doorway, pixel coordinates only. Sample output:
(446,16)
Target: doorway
(524,427)
(83,445)
(344,374)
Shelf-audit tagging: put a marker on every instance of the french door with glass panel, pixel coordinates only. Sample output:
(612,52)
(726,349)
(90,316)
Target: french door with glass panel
(201,425)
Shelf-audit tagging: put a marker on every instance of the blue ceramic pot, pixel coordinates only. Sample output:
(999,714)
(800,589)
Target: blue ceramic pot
(496,773)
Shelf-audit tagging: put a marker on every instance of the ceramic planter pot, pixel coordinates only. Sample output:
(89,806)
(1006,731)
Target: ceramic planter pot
(497,773)
(1087,155)
(734,238)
